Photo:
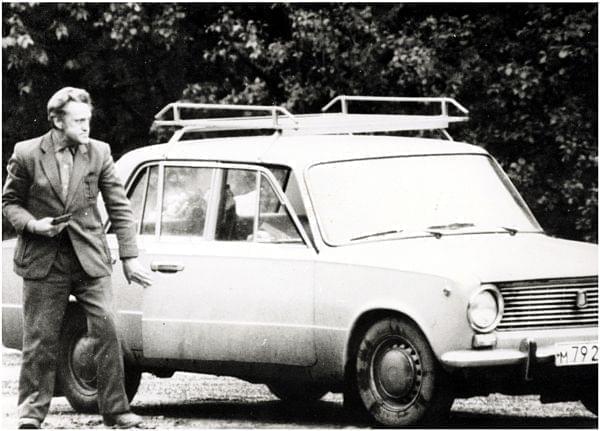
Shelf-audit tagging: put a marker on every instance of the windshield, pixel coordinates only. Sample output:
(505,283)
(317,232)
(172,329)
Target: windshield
(378,198)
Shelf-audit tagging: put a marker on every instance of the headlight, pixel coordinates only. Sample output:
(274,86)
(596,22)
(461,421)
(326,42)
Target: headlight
(485,308)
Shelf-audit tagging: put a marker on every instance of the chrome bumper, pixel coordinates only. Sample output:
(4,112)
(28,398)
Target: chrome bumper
(526,348)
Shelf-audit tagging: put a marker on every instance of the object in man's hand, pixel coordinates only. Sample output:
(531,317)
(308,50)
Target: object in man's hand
(61,219)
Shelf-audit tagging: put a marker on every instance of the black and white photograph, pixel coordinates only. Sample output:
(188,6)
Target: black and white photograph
(299,215)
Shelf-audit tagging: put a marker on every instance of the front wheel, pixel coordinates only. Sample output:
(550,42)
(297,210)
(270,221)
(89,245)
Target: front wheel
(394,378)
(76,371)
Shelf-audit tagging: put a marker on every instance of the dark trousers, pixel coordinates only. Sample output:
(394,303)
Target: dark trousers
(44,305)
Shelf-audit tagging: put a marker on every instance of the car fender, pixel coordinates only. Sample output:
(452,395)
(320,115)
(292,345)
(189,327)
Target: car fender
(346,293)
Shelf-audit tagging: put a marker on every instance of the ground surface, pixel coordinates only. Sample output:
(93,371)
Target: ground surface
(199,401)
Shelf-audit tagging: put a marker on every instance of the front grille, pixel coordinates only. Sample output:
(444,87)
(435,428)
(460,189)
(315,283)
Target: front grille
(547,304)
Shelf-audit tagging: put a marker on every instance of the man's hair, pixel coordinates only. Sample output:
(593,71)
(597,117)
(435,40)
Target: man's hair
(63,96)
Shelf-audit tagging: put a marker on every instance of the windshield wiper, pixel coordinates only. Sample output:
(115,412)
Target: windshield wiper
(511,230)
(371,235)
(452,226)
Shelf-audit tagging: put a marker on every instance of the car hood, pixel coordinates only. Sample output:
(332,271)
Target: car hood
(487,257)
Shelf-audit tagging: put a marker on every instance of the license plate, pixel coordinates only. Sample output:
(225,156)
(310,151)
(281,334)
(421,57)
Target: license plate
(576,353)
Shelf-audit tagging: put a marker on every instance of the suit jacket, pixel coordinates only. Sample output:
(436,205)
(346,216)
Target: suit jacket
(33,191)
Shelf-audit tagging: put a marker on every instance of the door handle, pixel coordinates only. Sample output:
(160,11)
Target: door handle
(166,267)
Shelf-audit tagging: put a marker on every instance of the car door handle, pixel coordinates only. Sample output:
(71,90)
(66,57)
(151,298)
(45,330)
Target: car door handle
(166,267)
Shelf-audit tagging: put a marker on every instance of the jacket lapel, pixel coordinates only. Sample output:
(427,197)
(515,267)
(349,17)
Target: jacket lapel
(80,168)
(49,165)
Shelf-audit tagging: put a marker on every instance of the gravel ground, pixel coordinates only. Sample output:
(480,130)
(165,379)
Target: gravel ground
(200,401)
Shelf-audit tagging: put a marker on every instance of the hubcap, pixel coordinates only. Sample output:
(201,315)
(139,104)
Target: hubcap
(397,373)
(83,363)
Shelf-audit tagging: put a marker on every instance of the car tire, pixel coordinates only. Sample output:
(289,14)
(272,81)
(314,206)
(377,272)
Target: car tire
(296,393)
(76,371)
(394,378)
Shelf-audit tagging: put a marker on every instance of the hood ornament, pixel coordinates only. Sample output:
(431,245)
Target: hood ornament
(581,300)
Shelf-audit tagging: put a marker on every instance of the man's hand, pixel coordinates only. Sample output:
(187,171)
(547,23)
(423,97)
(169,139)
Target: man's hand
(134,271)
(45,227)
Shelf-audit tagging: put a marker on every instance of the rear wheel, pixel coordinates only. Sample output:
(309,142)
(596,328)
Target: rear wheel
(76,373)
(394,378)
(296,392)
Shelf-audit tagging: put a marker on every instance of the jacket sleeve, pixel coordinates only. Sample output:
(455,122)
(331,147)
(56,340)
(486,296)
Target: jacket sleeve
(14,195)
(117,206)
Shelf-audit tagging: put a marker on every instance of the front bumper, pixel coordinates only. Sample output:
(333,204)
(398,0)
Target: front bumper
(518,347)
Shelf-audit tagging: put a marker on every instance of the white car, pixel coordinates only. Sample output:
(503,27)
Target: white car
(401,271)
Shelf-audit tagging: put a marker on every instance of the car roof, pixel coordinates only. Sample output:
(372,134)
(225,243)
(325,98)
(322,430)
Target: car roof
(297,152)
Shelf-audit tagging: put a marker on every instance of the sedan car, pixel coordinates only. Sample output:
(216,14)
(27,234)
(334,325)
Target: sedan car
(401,271)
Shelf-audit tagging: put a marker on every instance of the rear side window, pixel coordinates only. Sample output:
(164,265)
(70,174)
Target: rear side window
(142,195)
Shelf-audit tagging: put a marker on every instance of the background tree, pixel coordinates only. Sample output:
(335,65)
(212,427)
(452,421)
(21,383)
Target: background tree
(528,74)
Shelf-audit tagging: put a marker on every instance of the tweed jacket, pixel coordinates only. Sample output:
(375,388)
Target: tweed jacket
(33,191)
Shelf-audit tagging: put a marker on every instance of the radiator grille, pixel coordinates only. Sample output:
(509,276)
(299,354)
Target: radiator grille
(546,304)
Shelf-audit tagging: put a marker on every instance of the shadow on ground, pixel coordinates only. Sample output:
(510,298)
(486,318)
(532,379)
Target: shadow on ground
(331,414)
(321,414)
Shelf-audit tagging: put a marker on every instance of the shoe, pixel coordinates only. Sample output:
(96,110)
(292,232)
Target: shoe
(28,424)
(123,420)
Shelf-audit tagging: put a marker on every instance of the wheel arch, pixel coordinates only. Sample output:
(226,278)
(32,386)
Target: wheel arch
(75,311)
(75,383)
(361,324)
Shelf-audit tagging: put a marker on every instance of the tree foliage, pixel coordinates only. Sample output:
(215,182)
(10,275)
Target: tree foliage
(527,72)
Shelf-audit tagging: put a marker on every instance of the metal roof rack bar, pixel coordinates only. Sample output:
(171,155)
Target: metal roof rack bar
(177,136)
(283,122)
(210,128)
(320,124)
(443,101)
(178,121)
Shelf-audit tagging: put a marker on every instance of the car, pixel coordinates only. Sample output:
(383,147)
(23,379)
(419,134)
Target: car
(322,252)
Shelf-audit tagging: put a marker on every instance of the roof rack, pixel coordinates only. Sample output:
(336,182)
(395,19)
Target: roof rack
(282,121)
(177,106)
(444,101)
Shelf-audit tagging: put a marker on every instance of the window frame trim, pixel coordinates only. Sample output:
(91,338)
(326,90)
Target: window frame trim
(214,199)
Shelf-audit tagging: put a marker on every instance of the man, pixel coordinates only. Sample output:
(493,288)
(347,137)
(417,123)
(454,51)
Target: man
(57,174)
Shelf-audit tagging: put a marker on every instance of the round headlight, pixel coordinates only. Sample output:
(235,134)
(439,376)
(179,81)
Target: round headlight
(485,309)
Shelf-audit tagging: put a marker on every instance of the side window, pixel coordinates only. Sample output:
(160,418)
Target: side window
(185,194)
(137,193)
(142,195)
(294,196)
(274,222)
(281,174)
(243,210)
(149,215)
(237,207)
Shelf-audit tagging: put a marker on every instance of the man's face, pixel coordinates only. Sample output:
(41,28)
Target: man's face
(75,123)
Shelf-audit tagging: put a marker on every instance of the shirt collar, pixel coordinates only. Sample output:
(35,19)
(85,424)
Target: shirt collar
(60,142)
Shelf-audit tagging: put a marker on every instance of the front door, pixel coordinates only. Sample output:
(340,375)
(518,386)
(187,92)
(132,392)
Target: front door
(233,273)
